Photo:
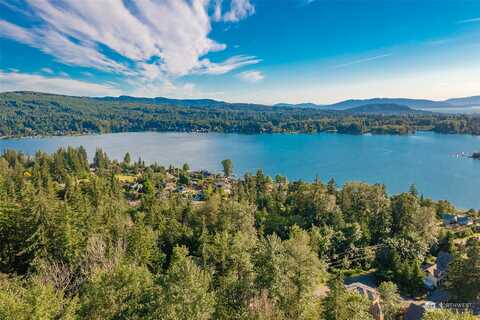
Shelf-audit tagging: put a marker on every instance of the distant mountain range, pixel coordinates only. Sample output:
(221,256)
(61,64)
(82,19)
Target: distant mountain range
(464,102)
(384,109)
(374,105)
(205,103)
(342,105)
(411,103)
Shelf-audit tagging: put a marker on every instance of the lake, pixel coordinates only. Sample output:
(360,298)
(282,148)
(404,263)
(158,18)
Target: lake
(425,159)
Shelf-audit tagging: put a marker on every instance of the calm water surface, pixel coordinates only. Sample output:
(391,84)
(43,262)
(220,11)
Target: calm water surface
(425,159)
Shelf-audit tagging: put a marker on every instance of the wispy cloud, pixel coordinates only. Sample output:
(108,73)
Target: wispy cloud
(359,61)
(148,39)
(12,81)
(303,3)
(239,9)
(438,42)
(251,76)
(47,70)
(235,62)
(471,20)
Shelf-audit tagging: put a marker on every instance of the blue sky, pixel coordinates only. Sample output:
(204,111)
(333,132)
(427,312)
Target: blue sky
(264,51)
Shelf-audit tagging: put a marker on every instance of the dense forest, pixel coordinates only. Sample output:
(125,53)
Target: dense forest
(32,114)
(125,240)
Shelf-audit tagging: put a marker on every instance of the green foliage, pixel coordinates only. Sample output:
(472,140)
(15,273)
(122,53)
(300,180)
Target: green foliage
(227,167)
(343,305)
(141,244)
(127,158)
(463,280)
(79,241)
(185,290)
(34,300)
(290,271)
(444,314)
(121,291)
(390,300)
(30,114)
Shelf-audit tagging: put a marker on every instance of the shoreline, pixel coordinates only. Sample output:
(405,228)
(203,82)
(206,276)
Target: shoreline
(238,133)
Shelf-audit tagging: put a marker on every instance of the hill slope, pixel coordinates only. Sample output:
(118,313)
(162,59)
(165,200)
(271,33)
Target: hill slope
(385,109)
(464,102)
(411,103)
(32,113)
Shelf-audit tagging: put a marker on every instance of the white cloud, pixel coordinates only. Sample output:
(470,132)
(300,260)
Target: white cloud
(239,9)
(155,39)
(61,47)
(251,76)
(208,67)
(47,70)
(14,81)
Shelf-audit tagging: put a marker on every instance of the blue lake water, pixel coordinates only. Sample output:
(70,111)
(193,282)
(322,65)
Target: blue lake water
(425,159)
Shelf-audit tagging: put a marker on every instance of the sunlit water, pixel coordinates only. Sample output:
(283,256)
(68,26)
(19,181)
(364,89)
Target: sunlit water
(427,160)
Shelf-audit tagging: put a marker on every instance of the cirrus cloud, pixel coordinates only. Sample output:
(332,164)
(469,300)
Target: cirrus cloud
(141,38)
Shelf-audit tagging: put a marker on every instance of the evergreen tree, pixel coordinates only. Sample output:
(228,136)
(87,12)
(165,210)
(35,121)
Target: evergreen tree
(463,279)
(227,167)
(185,290)
(390,300)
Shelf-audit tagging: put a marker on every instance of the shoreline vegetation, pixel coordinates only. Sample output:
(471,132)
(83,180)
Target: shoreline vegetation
(29,114)
(125,240)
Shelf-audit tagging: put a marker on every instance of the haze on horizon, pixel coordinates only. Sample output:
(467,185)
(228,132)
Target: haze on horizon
(261,51)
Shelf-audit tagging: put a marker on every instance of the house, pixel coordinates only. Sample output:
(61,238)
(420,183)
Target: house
(372,294)
(181,189)
(199,196)
(224,185)
(465,221)
(449,219)
(364,290)
(430,280)
(170,176)
(435,273)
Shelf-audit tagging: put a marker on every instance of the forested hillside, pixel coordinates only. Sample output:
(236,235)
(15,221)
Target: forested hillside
(32,114)
(122,240)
